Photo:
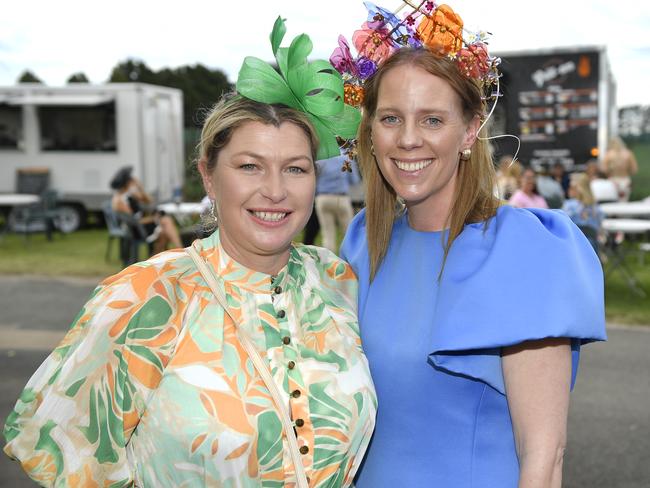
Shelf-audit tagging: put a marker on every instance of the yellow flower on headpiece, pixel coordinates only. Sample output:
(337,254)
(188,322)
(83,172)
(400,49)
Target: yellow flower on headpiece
(442,31)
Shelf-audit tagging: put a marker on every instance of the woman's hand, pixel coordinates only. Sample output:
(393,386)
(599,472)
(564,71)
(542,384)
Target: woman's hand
(537,376)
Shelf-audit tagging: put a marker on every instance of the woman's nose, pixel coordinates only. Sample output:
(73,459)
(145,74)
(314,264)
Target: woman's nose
(409,136)
(274,187)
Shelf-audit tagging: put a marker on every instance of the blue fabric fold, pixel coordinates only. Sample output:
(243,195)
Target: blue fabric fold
(531,274)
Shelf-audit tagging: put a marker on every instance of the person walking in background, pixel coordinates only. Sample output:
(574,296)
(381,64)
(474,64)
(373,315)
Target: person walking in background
(508,174)
(582,209)
(333,202)
(527,195)
(619,164)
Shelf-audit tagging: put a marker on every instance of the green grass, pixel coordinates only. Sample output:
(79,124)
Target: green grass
(78,254)
(622,306)
(82,254)
(641,181)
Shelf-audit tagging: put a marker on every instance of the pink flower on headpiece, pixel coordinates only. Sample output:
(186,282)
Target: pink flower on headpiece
(374,44)
(341,58)
(474,61)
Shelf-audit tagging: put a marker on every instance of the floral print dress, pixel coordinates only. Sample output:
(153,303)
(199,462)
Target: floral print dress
(150,387)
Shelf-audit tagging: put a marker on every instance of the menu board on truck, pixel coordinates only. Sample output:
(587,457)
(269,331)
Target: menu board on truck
(550,101)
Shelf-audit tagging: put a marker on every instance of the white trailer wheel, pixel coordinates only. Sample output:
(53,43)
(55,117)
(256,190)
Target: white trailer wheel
(69,218)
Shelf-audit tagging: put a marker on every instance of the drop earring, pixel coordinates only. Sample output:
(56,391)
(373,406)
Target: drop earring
(213,210)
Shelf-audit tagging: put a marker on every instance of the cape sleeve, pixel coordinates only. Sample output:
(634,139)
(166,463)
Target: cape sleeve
(72,422)
(530,275)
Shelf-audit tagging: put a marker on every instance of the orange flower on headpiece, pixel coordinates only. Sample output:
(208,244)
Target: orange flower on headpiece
(353,94)
(374,44)
(474,61)
(442,31)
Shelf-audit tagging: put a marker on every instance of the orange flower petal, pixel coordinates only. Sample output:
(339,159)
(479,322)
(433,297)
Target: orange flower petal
(442,31)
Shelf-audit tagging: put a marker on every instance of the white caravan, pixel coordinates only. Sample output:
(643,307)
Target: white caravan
(82,134)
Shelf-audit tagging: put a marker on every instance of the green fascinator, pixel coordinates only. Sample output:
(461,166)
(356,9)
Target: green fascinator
(314,88)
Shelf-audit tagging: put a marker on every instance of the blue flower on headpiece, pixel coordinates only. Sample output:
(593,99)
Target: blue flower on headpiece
(401,33)
(379,17)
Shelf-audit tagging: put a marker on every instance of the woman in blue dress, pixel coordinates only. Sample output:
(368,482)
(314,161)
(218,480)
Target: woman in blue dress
(472,313)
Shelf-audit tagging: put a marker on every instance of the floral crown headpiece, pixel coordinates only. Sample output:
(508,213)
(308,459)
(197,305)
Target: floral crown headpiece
(314,88)
(426,25)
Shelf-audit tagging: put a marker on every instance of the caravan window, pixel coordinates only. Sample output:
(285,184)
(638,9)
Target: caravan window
(11,127)
(78,128)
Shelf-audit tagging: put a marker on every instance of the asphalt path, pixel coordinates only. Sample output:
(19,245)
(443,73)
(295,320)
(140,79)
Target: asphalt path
(609,420)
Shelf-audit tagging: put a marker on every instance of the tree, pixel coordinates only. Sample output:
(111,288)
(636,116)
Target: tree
(78,78)
(132,70)
(28,77)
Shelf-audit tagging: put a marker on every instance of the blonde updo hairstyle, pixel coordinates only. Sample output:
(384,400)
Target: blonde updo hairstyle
(233,111)
(474,199)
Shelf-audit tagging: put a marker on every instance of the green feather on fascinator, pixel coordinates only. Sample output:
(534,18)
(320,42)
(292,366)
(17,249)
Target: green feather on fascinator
(314,88)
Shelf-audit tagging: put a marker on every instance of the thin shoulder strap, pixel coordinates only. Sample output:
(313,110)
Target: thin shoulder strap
(260,366)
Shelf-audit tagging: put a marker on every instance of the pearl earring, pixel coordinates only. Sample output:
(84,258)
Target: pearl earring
(465,154)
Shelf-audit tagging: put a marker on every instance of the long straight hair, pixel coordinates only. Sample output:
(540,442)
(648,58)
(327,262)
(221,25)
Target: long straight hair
(474,199)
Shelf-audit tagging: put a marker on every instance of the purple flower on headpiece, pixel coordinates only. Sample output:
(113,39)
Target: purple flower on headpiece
(341,58)
(365,67)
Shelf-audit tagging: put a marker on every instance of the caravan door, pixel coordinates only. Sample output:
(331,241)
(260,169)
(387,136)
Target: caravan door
(167,158)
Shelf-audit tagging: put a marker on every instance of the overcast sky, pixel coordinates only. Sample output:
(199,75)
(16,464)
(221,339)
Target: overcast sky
(57,38)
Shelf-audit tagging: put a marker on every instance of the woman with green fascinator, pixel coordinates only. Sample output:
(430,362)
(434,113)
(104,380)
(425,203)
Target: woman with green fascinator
(237,361)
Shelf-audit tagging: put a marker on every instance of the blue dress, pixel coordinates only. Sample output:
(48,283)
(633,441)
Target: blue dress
(434,347)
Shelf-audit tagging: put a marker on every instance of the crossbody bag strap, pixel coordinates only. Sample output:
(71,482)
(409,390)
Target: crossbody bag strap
(260,366)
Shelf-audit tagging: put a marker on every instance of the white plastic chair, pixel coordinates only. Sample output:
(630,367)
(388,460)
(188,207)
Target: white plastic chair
(604,190)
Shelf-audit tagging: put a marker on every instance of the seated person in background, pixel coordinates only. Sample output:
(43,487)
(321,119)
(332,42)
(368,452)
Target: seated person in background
(527,195)
(559,174)
(592,169)
(129,197)
(602,188)
(508,174)
(549,188)
(582,208)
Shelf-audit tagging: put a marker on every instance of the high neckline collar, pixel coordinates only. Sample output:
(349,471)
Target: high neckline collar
(243,277)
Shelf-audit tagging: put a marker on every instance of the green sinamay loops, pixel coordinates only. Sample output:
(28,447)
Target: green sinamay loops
(314,88)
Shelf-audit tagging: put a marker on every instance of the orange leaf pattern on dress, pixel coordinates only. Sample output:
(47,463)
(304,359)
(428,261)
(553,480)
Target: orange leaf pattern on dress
(154,366)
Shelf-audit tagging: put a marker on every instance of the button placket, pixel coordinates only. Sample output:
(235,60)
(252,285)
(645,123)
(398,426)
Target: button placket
(298,399)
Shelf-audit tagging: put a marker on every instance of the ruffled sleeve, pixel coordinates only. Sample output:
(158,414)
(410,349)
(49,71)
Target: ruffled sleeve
(530,275)
(72,422)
